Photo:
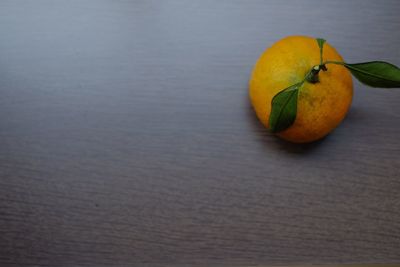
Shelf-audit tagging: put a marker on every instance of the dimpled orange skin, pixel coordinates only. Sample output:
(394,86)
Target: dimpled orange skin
(321,106)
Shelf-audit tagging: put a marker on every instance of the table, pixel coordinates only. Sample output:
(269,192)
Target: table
(127,137)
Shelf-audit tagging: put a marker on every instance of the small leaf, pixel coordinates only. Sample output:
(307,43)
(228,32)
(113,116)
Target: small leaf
(284,108)
(321,42)
(376,73)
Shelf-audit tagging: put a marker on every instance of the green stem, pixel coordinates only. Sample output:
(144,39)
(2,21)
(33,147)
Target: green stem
(320,57)
(333,62)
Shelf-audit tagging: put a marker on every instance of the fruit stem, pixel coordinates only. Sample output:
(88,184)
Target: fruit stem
(312,75)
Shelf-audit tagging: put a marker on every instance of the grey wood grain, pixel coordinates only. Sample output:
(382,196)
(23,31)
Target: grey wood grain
(127,138)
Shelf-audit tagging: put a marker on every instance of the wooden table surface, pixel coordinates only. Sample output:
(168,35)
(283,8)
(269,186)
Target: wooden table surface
(127,137)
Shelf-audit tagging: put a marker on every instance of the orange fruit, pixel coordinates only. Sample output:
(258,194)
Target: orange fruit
(321,106)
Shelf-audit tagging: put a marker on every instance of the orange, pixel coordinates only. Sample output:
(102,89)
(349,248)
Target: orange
(321,106)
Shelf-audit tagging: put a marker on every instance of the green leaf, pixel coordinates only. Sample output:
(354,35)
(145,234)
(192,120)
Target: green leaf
(321,42)
(284,108)
(376,73)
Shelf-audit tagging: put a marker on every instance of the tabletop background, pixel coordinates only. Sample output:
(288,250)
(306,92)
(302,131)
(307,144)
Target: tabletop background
(127,137)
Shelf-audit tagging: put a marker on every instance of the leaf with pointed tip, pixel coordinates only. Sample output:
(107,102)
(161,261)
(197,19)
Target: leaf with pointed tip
(284,108)
(376,73)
